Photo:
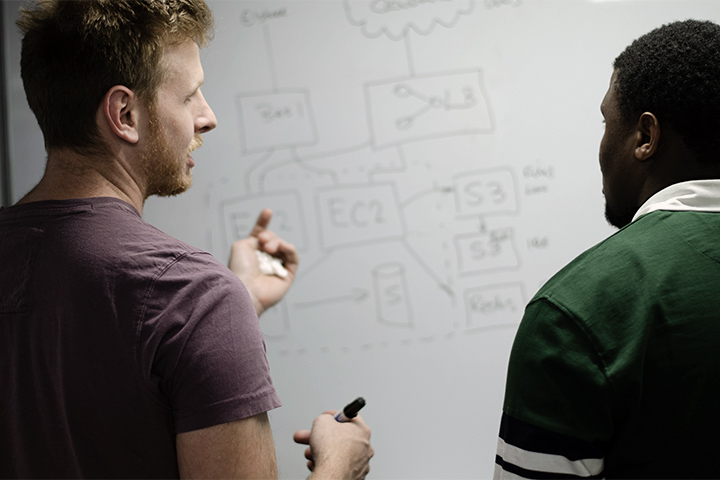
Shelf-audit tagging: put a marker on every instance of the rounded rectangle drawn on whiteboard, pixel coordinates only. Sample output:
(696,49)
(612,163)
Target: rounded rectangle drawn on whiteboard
(240,214)
(276,120)
(421,107)
(351,215)
(486,251)
(494,305)
(485,192)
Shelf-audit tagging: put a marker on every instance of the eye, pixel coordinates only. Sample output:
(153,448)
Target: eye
(191,96)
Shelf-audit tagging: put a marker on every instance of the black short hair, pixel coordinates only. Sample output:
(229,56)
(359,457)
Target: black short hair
(674,73)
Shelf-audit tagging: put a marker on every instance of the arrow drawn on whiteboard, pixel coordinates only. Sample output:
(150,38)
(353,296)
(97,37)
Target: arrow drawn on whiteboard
(358,295)
(443,286)
(425,193)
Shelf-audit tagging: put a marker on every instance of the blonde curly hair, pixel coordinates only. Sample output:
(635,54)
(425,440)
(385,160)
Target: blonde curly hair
(73,51)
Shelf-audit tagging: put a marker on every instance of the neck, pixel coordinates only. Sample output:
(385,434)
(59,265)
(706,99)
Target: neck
(70,175)
(674,163)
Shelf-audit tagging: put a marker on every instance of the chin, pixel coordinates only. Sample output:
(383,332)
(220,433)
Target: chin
(170,193)
(616,219)
(174,187)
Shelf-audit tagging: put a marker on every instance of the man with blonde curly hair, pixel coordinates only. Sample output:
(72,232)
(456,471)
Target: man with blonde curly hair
(124,352)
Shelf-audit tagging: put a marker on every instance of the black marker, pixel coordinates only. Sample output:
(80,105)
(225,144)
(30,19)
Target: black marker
(350,411)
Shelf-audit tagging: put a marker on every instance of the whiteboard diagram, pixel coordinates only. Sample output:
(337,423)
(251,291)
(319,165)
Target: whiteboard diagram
(359,200)
(434,162)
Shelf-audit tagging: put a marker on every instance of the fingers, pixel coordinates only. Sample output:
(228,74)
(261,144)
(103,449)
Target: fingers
(269,242)
(302,436)
(359,421)
(262,222)
(273,244)
(340,449)
(277,247)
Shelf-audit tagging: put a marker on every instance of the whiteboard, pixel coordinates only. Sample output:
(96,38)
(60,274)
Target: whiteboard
(434,161)
(25,142)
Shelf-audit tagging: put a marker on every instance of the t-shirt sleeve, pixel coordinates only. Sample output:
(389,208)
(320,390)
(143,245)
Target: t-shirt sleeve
(527,451)
(201,346)
(557,381)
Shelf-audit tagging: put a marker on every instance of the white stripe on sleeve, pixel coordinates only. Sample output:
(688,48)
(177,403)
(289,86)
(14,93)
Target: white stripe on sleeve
(544,462)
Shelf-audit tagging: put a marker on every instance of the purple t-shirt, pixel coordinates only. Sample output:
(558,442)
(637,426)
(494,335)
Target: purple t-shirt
(114,337)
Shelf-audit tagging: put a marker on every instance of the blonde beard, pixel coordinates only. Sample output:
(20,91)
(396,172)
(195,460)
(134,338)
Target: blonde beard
(196,143)
(166,174)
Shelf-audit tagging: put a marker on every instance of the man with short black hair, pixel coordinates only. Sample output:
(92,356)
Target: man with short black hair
(614,372)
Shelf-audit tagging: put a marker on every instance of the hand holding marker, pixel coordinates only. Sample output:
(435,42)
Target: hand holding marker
(350,411)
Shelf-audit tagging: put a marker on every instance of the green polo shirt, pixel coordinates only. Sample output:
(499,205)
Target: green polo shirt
(621,349)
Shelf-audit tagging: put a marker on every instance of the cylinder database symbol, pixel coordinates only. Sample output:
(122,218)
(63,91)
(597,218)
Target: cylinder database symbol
(391,294)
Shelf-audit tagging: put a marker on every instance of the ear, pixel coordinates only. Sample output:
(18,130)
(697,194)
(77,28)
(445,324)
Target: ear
(120,110)
(647,136)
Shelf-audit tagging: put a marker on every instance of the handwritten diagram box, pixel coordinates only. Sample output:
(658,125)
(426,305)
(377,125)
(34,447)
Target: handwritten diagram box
(418,108)
(352,215)
(487,192)
(486,251)
(287,221)
(494,305)
(276,120)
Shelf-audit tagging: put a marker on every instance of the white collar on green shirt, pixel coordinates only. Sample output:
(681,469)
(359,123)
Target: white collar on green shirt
(695,195)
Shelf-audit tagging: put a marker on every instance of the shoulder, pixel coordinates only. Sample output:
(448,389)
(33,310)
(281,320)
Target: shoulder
(596,310)
(126,238)
(597,305)
(175,283)
(198,279)
(605,270)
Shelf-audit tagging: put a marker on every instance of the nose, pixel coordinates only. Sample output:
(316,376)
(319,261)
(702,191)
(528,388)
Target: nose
(205,121)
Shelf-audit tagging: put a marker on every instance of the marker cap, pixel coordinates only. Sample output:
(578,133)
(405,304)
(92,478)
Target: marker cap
(351,410)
